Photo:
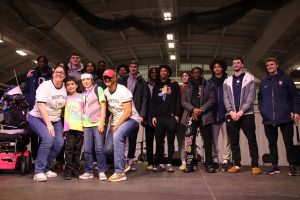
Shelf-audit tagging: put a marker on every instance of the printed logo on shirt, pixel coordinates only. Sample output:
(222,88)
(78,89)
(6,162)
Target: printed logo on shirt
(164,91)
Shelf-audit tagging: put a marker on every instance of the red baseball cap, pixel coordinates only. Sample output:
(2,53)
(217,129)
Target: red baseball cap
(110,73)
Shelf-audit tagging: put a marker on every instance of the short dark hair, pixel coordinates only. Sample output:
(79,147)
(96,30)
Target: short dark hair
(85,66)
(101,62)
(185,72)
(40,57)
(194,68)
(271,59)
(123,66)
(167,67)
(239,58)
(63,67)
(71,78)
(153,69)
(221,62)
(133,62)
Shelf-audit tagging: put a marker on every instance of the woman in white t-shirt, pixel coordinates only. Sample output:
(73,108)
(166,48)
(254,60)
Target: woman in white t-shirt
(45,121)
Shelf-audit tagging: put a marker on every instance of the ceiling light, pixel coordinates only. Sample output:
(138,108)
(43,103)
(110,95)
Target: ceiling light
(170,36)
(21,52)
(171,45)
(167,16)
(1,41)
(172,57)
(34,61)
(297,68)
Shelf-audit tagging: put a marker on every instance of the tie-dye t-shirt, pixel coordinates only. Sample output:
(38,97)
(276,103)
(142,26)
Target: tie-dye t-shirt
(73,113)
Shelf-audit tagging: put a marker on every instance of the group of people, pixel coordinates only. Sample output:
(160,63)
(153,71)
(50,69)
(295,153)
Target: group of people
(101,109)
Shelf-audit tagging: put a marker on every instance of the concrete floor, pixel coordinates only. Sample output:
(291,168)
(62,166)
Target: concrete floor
(145,185)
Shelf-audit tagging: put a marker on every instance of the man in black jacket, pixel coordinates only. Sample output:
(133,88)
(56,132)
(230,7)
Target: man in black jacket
(166,111)
(139,89)
(279,106)
(197,100)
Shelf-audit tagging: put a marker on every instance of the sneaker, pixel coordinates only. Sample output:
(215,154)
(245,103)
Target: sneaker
(127,168)
(216,166)
(189,169)
(86,175)
(102,176)
(210,169)
(182,166)
(225,167)
(256,170)
(234,169)
(159,168)
(149,167)
(116,177)
(133,168)
(50,174)
(170,168)
(68,175)
(40,177)
(273,171)
(293,170)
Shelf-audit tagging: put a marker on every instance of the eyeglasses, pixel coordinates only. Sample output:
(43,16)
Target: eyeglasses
(107,77)
(59,72)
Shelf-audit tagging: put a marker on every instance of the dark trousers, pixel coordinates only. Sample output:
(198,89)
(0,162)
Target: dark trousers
(287,131)
(34,142)
(165,125)
(206,134)
(247,124)
(73,144)
(150,131)
(132,143)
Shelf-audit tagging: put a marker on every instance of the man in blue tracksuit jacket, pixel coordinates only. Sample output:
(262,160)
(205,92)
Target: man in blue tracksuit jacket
(279,106)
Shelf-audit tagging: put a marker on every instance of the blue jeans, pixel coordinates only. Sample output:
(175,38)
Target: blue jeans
(49,146)
(93,137)
(115,142)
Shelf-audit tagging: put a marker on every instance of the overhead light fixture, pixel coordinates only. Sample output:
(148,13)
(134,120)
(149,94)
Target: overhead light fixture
(1,38)
(34,61)
(170,36)
(167,16)
(172,57)
(171,45)
(298,68)
(1,41)
(21,52)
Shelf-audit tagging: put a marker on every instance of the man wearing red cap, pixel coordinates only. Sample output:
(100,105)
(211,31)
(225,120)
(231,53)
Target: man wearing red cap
(125,121)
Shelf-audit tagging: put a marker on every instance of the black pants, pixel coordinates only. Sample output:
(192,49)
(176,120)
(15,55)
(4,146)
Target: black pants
(34,142)
(73,144)
(287,131)
(132,144)
(165,125)
(247,124)
(150,131)
(206,134)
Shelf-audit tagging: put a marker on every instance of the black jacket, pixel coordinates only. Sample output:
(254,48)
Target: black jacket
(277,99)
(140,94)
(207,101)
(166,99)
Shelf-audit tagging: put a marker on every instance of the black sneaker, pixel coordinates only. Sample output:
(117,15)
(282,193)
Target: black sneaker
(159,168)
(293,170)
(216,166)
(225,167)
(210,169)
(189,169)
(68,175)
(273,171)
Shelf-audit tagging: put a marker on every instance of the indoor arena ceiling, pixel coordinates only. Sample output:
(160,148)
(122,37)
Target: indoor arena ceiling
(55,29)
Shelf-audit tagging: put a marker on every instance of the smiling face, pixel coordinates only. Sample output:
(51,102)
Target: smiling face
(59,74)
(90,68)
(185,78)
(109,81)
(71,87)
(237,65)
(272,67)
(164,74)
(75,60)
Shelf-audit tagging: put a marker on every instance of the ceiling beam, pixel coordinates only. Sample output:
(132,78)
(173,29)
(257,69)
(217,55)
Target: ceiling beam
(280,22)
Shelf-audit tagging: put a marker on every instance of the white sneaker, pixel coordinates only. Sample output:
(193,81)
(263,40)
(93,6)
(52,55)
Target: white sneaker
(182,166)
(51,174)
(86,176)
(40,177)
(149,167)
(102,176)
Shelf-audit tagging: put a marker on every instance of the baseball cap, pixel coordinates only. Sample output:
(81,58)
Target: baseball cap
(110,73)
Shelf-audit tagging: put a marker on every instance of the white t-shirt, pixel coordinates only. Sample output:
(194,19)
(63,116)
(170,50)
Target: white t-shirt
(115,103)
(54,99)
